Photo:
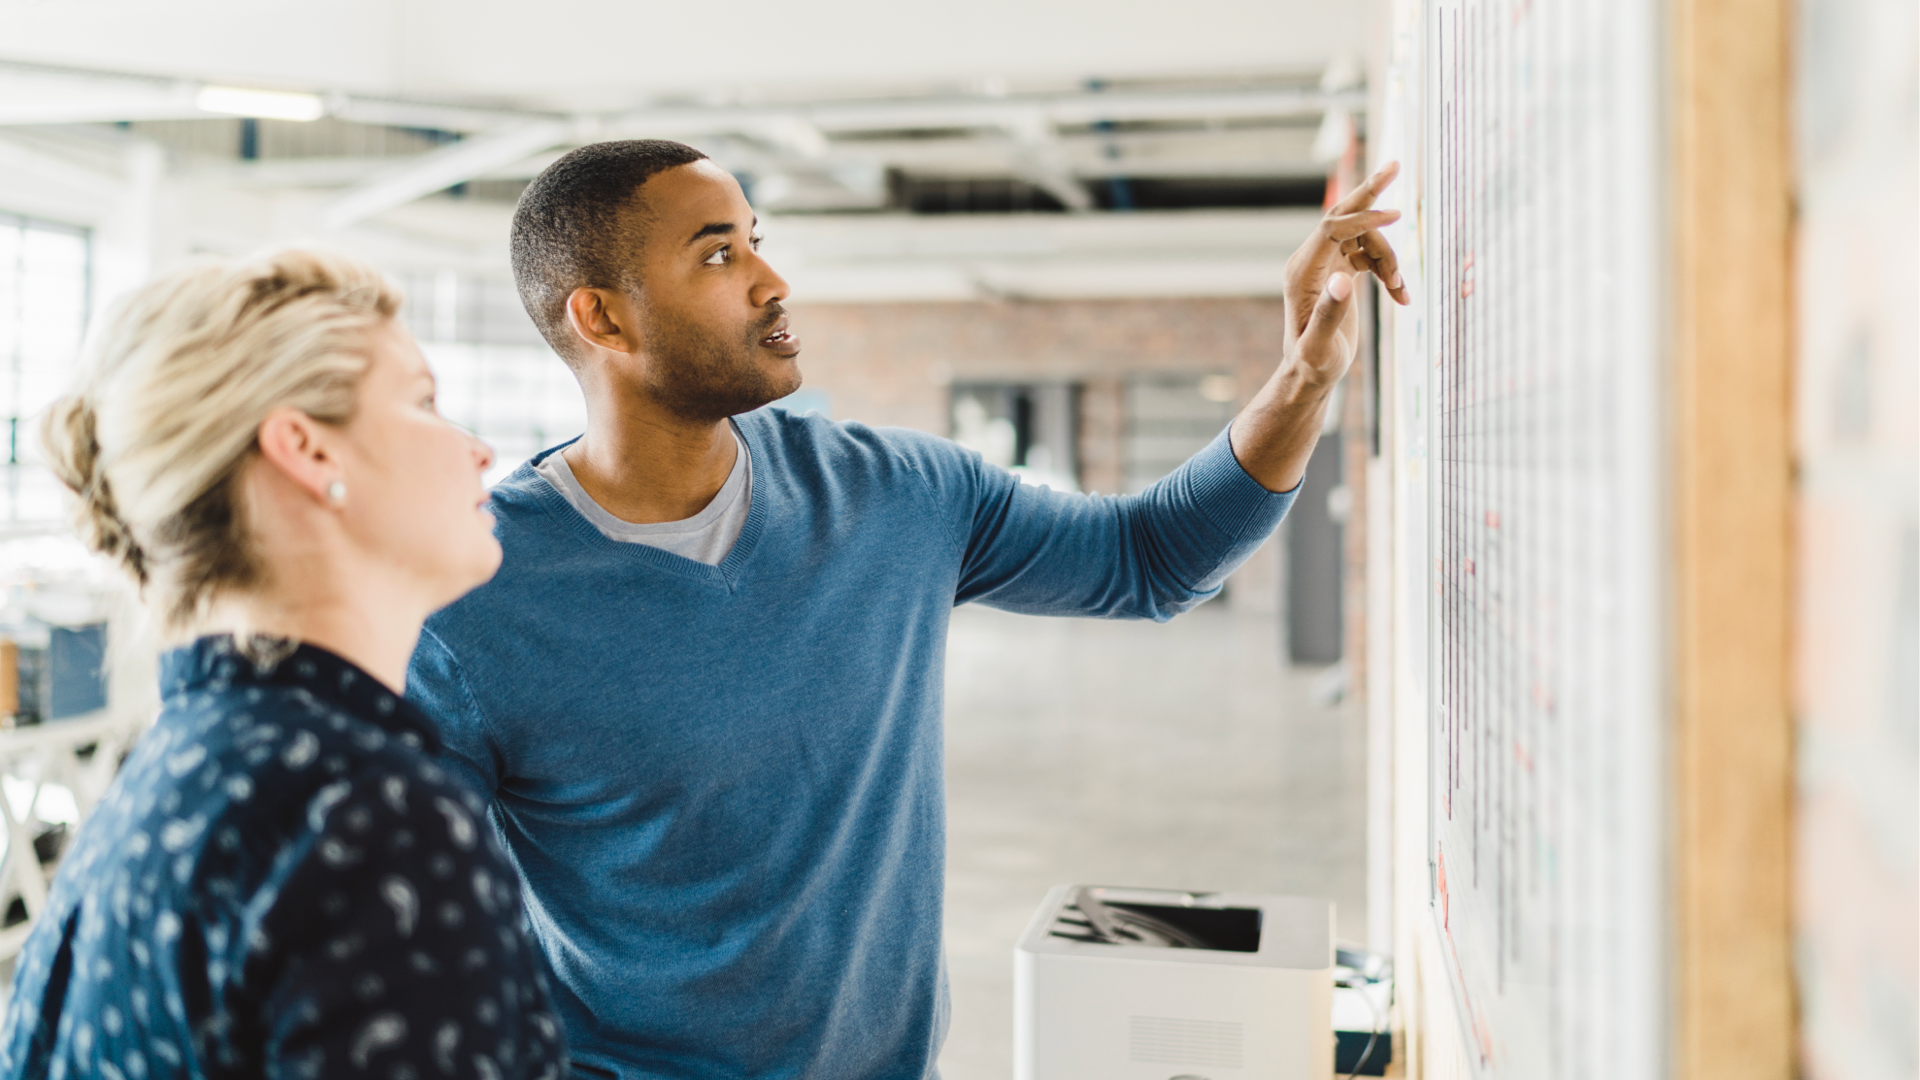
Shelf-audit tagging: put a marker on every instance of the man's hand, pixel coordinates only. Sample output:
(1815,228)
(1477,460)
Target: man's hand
(1322,326)
(1276,433)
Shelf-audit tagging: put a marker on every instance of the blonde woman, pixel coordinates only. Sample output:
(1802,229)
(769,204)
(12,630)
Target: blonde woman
(282,882)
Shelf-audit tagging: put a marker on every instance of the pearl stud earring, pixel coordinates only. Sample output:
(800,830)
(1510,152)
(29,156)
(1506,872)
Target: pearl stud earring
(337,492)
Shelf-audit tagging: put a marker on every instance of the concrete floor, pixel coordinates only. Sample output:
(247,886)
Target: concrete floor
(1184,756)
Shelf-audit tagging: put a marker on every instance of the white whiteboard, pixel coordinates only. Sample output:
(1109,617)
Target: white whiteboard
(1538,349)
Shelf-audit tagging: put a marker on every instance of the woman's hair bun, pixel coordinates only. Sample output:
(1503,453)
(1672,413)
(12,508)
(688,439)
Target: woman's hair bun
(73,452)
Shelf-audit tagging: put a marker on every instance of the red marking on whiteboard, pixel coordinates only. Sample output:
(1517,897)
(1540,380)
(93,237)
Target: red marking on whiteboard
(1520,755)
(1466,288)
(1483,1037)
(1469,563)
(1493,519)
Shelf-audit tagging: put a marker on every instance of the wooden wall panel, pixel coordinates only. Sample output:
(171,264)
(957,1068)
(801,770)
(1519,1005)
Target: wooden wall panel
(1730,216)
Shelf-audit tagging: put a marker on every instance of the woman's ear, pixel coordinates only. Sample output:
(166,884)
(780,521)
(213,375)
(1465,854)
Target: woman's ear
(300,448)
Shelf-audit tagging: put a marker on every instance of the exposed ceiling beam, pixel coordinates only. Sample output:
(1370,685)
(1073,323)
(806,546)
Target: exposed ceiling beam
(828,140)
(969,159)
(889,237)
(35,94)
(1081,108)
(34,97)
(104,109)
(795,135)
(442,169)
(1041,161)
(76,177)
(900,114)
(420,114)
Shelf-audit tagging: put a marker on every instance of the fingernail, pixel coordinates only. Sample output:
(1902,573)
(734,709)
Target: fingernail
(1340,286)
(1395,283)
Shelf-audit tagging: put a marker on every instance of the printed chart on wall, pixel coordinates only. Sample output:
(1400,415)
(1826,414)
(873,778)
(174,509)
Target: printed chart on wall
(1540,233)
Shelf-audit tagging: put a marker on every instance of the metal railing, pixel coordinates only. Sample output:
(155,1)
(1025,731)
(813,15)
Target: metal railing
(40,765)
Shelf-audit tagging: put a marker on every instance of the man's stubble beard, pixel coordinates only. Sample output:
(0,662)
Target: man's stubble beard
(703,378)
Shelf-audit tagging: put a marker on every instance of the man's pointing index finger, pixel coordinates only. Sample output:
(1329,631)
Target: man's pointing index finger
(1353,219)
(1362,197)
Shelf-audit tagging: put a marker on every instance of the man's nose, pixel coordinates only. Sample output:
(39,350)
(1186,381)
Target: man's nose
(768,285)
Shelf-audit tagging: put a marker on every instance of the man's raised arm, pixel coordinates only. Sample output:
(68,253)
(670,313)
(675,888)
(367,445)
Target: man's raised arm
(1158,553)
(1275,434)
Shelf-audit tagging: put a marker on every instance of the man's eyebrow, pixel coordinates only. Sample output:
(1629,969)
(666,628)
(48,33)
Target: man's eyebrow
(717,228)
(712,228)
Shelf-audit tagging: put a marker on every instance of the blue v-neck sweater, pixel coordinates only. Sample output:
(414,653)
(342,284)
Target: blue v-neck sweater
(722,785)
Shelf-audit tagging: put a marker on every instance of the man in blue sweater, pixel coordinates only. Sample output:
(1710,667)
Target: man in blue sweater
(705,686)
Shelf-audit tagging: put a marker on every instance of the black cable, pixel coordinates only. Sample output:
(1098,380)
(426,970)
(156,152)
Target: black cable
(1372,1038)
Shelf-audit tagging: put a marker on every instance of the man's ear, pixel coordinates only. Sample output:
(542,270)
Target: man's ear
(603,319)
(299,447)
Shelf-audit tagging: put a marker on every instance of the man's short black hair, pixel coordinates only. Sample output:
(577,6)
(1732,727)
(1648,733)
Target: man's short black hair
(573,227)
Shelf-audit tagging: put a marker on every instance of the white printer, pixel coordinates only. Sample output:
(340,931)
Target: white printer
(1152,984)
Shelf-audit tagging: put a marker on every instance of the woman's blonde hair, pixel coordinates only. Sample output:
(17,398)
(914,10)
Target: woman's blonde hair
(166,413)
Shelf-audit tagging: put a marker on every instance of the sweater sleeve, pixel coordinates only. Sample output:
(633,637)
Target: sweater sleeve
(1147,556)
(438,685)
(396,946)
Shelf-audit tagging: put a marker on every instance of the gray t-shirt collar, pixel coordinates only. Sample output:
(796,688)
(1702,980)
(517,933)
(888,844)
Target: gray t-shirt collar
(705,537)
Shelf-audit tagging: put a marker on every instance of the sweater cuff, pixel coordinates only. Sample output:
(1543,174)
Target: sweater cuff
(1233,501)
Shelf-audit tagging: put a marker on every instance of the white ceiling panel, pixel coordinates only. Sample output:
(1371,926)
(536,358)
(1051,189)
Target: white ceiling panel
(605,54)
(298,44)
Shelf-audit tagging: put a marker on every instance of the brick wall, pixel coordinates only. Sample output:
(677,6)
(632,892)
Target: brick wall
(891,364)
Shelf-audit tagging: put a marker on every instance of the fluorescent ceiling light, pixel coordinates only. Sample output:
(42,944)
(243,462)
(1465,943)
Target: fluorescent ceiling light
(265,104)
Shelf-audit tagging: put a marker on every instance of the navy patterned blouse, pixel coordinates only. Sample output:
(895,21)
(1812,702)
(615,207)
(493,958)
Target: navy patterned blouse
(281,882)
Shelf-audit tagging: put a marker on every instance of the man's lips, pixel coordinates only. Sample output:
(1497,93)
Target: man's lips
(781,339)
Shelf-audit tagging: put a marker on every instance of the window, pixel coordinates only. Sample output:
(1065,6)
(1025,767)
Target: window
(497,378)
(1025,428)
(44,294)
(1169,419)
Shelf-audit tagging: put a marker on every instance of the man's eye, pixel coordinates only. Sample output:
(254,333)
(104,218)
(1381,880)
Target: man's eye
(756,242)
(719,257)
